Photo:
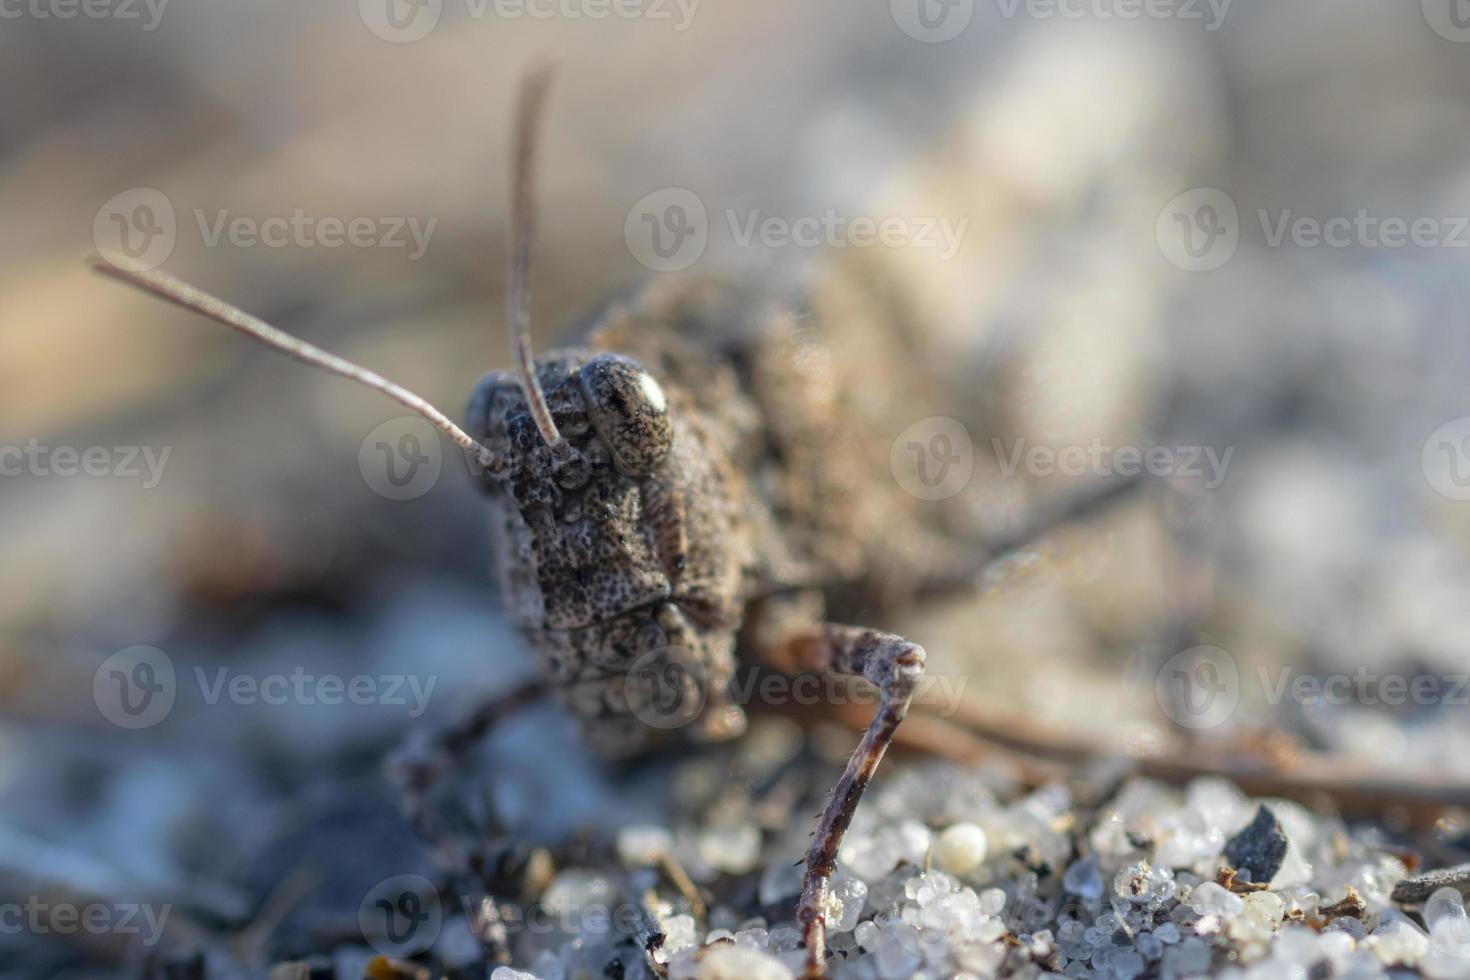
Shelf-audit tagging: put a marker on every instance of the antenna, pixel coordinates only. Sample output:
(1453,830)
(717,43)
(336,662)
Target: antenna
(180,293)
(530,106)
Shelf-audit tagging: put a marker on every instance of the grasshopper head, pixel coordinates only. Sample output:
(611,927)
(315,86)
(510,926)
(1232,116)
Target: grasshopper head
(610,550)
(575,523)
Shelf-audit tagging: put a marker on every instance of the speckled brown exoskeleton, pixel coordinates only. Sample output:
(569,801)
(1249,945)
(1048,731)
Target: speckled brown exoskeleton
(701,475)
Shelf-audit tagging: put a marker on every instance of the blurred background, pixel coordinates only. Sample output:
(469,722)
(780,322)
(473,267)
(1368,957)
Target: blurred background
(1237,231)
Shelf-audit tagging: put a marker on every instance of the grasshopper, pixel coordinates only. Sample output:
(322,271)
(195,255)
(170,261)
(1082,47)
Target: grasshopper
(692,478)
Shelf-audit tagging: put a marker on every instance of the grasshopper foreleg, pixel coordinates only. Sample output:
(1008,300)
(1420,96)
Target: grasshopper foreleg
(893,665)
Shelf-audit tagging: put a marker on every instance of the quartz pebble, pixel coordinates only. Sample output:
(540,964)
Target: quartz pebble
(737,963)
(960,849)
(643,844)
(679,932)
(1210,899)
(848,895)
(1398,943)
(734,849)
(1083,879)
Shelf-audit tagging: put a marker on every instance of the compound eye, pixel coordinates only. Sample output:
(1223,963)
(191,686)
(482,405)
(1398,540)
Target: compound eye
(629,411)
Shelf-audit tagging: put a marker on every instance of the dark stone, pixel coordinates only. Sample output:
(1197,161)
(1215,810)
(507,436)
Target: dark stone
(1419,887)
(1259,848)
